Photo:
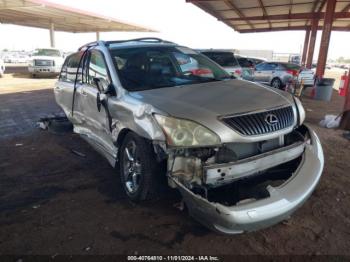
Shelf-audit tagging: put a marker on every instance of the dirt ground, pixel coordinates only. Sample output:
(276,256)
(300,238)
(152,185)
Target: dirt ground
(55,202)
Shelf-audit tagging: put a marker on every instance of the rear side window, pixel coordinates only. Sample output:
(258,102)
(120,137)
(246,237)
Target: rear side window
(291,66)
(63,74)
(266,66)
(222,58)
(70,68)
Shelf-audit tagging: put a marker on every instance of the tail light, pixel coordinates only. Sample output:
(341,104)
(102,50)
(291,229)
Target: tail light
(293,72)
(237,72)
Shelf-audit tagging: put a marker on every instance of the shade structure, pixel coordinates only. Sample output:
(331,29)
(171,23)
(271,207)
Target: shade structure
(44,14)
(275,15)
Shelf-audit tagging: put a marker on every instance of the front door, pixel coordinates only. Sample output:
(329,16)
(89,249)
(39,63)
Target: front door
(97,121)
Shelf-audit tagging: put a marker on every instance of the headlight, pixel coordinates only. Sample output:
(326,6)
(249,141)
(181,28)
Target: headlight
(181,132)
(300,110)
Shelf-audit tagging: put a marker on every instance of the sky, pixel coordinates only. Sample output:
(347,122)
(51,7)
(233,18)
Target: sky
(175,20)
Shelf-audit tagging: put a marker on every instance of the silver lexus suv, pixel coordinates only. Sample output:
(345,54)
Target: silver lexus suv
(237,151)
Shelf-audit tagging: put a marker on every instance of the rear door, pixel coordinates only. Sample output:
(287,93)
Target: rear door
(97,122)
(259,72)
(269,72)
(64,88)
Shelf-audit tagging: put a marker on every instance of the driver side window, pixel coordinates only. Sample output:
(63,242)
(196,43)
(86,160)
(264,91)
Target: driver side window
(97,68)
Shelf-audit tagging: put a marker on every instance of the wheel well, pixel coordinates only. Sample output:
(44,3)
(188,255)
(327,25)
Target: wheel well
(277,79)
(121,136)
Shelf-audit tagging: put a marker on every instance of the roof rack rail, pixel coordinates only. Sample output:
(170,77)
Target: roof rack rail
(95,43)
(143,39)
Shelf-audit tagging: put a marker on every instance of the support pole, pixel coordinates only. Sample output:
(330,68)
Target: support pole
(345,120)
(310,52)
(306,46)
(52,35)
(97,36)
(326,36)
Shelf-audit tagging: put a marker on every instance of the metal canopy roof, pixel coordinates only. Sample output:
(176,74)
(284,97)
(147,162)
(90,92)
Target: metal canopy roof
(42,13)
(274,15)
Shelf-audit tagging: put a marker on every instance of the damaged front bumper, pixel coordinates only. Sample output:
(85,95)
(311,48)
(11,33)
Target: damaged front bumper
(252,215)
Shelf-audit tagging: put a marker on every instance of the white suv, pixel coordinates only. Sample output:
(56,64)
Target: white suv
(45,61)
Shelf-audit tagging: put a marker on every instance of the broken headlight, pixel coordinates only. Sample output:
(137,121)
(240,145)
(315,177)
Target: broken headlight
(180,132)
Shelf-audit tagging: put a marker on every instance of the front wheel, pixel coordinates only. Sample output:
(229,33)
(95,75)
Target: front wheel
(138,168)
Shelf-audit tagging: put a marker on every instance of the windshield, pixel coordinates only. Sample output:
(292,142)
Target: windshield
(145,68)
(225,59)
(46,52)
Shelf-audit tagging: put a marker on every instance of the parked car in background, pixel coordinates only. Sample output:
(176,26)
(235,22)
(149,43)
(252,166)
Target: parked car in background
(45,61)
(256,60)
(228,60)
(2,67)
(278,74)
(16,58)
(294,59)
(238,152)
(21,59)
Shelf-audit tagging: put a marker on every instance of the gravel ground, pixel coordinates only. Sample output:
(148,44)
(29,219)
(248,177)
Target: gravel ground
(53,201)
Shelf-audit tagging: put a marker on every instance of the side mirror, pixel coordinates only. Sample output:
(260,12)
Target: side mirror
(100,99)
(104,87)
(98,84)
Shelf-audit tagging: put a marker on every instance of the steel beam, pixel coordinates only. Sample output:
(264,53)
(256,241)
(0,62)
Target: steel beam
(326,36)
(52,35)
(306,46)
(337,15)
(311,48)
(346,8)
(291,28)
(97,36)
(237,11)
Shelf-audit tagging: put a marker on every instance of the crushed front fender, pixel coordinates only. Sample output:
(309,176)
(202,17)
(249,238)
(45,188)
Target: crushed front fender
(283,200)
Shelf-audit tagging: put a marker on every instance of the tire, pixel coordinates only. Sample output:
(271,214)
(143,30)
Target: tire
(33,75)
(138,169)
(276,83)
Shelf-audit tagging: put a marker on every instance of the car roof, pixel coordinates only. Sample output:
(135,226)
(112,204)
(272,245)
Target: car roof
(114,45)
(139,42)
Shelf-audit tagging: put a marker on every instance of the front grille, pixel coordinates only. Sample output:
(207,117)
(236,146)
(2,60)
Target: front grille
(262,122)
(41,62)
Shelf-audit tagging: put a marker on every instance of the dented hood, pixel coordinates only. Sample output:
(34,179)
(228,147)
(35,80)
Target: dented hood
(213,99)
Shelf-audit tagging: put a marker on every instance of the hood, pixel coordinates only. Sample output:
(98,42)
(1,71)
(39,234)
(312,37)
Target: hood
(213,99)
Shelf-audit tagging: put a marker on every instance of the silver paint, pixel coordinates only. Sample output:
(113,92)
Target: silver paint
(205,104)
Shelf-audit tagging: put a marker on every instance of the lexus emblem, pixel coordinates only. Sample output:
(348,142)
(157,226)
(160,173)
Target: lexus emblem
(271,119)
